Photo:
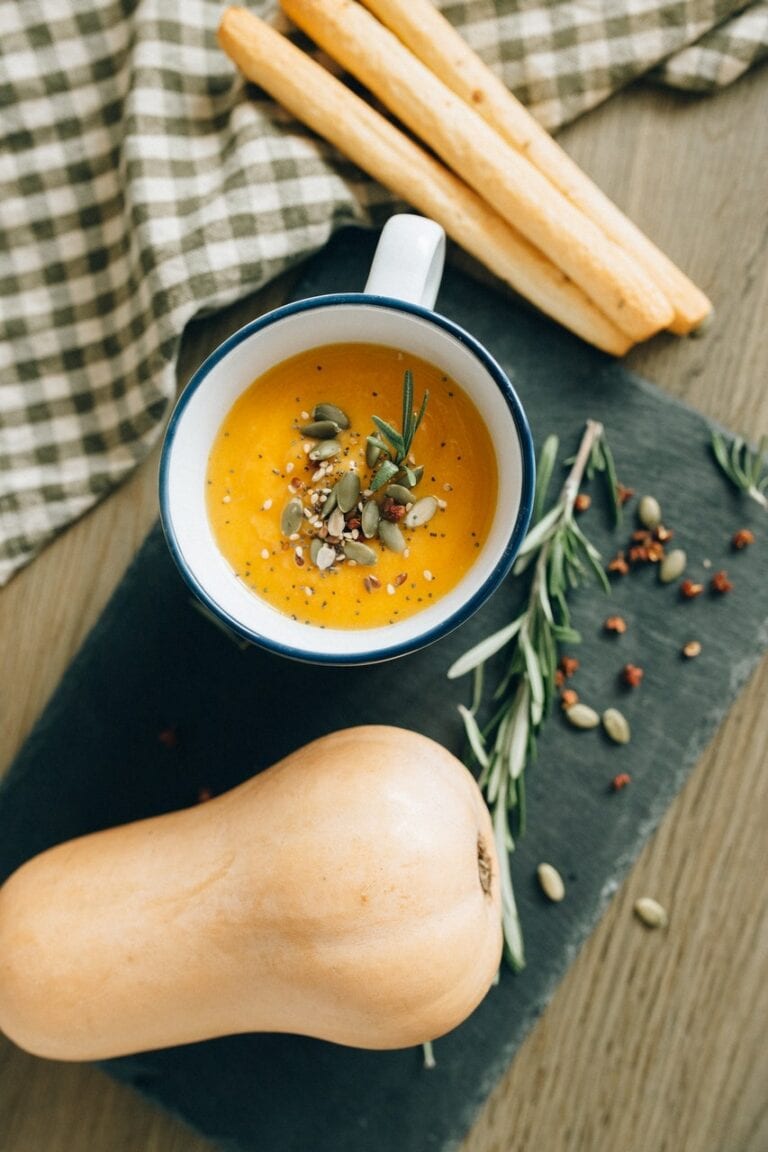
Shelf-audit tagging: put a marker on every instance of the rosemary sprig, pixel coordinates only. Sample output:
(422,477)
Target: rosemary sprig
(397,445)
(745,467)
(560,558)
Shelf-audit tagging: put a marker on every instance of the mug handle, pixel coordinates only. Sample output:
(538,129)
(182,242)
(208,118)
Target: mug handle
(408,261)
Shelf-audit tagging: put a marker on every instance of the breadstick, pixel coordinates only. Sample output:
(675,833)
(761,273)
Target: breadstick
(477,154)
(367,138)
(424,29)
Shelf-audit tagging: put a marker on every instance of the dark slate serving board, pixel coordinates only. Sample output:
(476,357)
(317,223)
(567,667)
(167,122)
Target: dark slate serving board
(152,663)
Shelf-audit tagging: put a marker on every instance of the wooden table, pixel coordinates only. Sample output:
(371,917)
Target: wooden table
(653,1041)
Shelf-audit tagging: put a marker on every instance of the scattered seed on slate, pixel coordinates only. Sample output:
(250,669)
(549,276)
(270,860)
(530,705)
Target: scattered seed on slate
(581,716)
(652,914)
(672,566)
(616,725)
(649,512)
(551,882)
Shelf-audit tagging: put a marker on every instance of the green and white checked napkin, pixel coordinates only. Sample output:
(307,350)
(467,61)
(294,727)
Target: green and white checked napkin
(143,183)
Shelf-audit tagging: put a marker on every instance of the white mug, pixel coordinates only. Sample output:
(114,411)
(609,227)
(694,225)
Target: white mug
(395,309)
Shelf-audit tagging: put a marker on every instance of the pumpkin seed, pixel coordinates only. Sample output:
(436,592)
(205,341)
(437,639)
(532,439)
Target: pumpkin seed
(652,914)
(314,548)
(325,450)
(360,553)
(329,505)
(414,474)
(421,512)
(330,412)
(616,725)
(326,556)
(581,716)
(551,882)
(391,536)
(348,491)
(320,429)
(372,451)
(649,512)
(336,522)
(672,566)
(292,517)
(399,493)
(369,520)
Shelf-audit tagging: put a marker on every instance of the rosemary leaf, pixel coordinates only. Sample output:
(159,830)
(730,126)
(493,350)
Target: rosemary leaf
(757,462)
(613,484)
(539,533)
(744,466)
(736,447)
(518,733)
(477,688)
(394,437)
(407,405)
(560,557)
(484,650)
(544,470)
(535,681)
(384,474)
(513,937)
(420,416)
(475,736)
(377,443)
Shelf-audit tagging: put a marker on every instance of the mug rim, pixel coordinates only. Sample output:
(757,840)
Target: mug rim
(492,580)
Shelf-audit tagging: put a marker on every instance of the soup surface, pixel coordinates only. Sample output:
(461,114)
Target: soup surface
(320,563)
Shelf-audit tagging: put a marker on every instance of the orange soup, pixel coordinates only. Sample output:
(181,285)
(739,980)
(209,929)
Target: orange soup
(312,509)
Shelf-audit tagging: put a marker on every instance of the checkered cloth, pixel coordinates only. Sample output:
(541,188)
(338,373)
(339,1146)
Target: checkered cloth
(143,183)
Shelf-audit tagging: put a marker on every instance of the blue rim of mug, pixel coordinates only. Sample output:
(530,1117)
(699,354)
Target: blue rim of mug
(491,582)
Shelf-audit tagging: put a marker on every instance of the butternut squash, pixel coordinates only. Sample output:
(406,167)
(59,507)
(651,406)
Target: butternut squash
(349,892)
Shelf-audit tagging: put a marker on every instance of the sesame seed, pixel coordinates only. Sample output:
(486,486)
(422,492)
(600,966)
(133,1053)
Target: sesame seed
(309,591)
(447,487)
(391,589)
(428,575)
(305,415)
(289,467)
(226,499)
(266,506)
(265,553)
(306,447)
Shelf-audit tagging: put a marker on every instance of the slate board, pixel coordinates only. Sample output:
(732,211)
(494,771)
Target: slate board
(94,758)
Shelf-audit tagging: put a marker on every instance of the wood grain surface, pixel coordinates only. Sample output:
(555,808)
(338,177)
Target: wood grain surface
(653,1041)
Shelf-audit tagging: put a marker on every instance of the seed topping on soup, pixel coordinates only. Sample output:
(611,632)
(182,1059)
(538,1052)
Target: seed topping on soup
(352,485)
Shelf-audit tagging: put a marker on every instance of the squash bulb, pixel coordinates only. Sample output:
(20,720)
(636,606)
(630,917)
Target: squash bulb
(350,892)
